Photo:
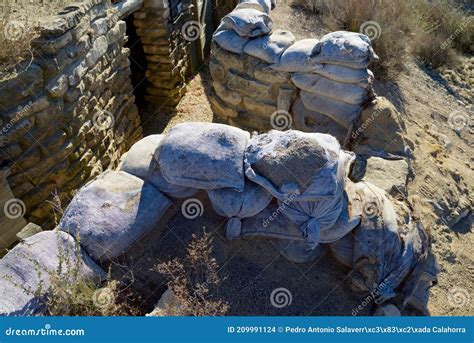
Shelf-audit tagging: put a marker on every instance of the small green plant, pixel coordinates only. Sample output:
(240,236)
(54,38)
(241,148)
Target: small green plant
(194,281)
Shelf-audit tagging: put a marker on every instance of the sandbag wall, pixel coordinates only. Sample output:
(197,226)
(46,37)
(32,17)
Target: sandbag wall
(166,43)
(70,113)
(303,201)
(263,78)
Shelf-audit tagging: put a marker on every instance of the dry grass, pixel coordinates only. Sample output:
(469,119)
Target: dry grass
(72,295)
(433,32)
(194,281)
(16,35)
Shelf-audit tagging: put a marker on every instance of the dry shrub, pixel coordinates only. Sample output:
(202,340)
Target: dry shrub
(16,35)
(433,32)
(194,281)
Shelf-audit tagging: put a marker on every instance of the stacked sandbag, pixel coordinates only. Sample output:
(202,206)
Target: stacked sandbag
(236,205)
(141,161)
(26,270)
(112,212)
(339,83)
(306,173)
(203,155)
(240,26)
(387,250)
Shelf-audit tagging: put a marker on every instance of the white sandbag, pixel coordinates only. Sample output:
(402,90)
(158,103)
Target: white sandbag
(112,212)
(247,22)
(235,205)
(350,49)
(307,120)
(271,223)
(204,155)
(346,92)
(141,162)
(387,245)
(317,218)
(270,47)
(230,41)
(343,249)
(297,57)
(285,234)
(362,76)
(341,112)
(25,271)
(265,5)
(297,165)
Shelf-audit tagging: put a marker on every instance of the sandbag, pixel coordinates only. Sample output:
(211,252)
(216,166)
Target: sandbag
(327,219)
(350,49)
(270,223)
(297,57)
(230,41)
(297,165)
(264,5)
(345,92)
(141,162)
(343,113)
(113,211)
(307,120)
(270,47)
(285,234)
(227,202)
(203,155)
(387,245)
(339,73)
(247,22)
(25,271)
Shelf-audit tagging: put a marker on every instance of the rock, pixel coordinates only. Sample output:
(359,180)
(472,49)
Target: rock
(390,175)
(112,212)
(381,131)
(29,230)
(166,306)
(99,47)
(25,272)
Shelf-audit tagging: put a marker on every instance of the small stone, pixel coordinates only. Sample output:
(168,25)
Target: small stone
(29,230)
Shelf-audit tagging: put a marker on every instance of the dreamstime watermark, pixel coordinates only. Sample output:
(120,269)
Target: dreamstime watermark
(280,208)
(456,33)
(104,119)
(103,297)
(14,30)
(458,297)
(14,208)
(357,132)
(458,120)
(281,120)
(22,111)
(371,29)
(281,297)
(378,289)
(192,208)
(370,209)
(191,30)
(44,331)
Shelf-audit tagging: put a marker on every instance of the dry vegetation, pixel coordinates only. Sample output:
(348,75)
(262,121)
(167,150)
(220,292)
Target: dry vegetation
(18,27)
(194,281)
(434,32)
